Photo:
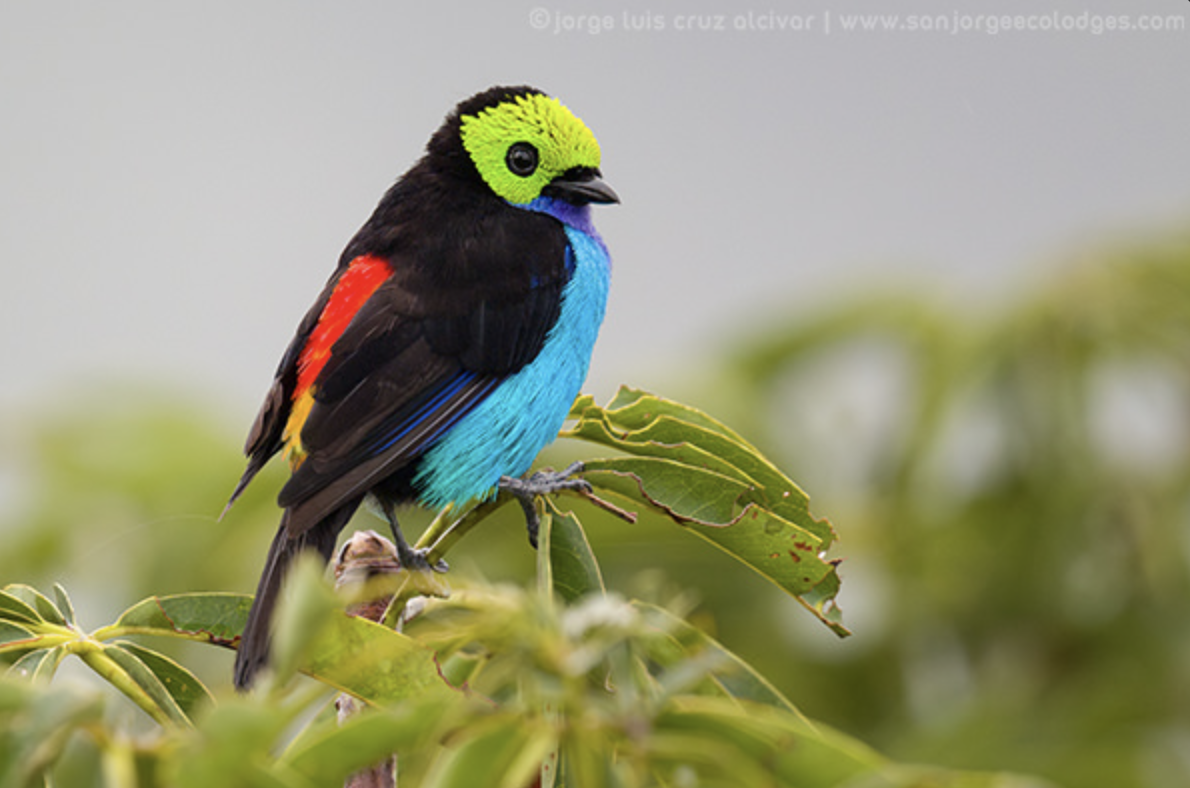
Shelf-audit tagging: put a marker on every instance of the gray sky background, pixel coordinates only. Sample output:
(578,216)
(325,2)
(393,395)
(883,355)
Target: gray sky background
(178,179)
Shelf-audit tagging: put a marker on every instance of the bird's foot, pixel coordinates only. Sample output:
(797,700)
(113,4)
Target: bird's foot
(410,558)
(545,482)
(415,559)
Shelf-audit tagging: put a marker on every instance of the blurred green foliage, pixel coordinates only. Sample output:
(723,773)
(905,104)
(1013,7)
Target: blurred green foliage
(495,687)
(1014,483)
(1010,486)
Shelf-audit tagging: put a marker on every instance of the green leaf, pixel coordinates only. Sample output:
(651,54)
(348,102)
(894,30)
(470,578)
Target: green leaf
(692,469)
(208,617)
(40,720)
(549,774)
(63,603)
(233,746)
(709,505)
(13,609)
(575,572)
(39,665)
(735,677)
(146,680)
(364,739)
(183,686)
(681,492)
(500,753)
(820,600)
(791,750)
(637,406)
(459,668)
(46,609)
(14,637)
(372,662)
(587,759)
(645,425)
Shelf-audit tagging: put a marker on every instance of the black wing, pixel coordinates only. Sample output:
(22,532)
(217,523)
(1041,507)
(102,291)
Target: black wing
(265,436)
(470,302)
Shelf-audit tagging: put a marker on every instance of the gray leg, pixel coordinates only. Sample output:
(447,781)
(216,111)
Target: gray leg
(408,556)
(542,483)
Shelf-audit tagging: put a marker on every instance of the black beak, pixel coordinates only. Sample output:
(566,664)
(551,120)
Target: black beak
(581,186)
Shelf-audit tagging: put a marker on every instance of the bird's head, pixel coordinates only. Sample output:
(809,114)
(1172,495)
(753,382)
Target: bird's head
(525,145)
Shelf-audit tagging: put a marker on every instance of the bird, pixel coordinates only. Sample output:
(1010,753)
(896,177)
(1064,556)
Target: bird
(447,346)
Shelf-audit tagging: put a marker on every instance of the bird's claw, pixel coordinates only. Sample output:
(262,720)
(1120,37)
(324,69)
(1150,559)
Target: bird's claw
(415,559)
(545,482)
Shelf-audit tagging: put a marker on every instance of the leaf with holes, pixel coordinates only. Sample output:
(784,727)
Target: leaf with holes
(700,474)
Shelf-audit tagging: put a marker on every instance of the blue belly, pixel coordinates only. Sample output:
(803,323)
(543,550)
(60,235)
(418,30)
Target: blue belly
(504,433)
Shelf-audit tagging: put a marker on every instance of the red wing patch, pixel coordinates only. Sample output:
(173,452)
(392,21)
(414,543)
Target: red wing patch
(357,284)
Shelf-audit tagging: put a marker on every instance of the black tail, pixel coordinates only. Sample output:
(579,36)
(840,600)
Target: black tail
(254,646)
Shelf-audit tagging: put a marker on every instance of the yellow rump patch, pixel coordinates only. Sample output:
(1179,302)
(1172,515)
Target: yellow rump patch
(295,453)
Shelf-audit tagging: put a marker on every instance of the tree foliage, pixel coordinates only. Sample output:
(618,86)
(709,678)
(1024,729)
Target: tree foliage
(567,683)
(1016,501)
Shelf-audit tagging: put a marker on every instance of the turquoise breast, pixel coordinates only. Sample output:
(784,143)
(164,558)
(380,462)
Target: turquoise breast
(504,433)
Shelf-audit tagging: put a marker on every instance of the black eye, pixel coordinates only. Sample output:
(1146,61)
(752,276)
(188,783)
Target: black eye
(521,159)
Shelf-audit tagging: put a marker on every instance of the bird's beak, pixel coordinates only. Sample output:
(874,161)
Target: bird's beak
(581,186)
